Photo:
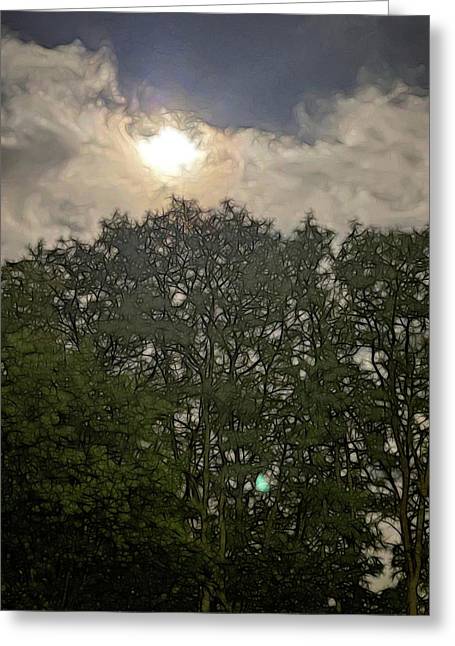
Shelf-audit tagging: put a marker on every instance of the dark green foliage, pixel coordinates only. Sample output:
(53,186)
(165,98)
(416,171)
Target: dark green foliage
(149,376)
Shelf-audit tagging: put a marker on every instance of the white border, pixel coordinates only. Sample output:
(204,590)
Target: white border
(379,7)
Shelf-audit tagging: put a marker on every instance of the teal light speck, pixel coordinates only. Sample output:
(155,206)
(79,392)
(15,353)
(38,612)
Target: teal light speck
(262,483)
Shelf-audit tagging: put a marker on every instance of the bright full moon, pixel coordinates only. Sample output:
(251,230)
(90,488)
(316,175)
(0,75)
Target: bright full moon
(170,151)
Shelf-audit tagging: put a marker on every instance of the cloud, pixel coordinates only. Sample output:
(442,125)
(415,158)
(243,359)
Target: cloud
(70,156)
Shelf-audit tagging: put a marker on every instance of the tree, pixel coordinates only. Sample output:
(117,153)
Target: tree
(150,376)
(385,279)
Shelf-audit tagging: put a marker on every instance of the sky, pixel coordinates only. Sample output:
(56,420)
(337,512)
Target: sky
(287,114)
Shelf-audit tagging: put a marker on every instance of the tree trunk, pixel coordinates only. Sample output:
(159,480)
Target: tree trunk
(205,600)
(412,595)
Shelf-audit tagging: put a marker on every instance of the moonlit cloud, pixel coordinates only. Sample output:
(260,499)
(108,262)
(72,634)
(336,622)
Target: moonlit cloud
(70,153)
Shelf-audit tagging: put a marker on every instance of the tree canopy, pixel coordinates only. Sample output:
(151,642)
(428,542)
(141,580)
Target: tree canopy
(150,376)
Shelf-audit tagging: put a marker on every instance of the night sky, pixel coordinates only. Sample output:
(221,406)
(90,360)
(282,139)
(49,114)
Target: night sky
(281,113)
(241,70)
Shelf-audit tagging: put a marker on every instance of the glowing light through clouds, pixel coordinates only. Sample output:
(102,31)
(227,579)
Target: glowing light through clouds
(70,159)
(169,152)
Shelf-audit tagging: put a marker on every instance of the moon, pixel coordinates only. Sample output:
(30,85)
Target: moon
(169,152)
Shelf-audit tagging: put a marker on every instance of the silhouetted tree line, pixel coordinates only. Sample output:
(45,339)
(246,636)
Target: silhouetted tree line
(150,375)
